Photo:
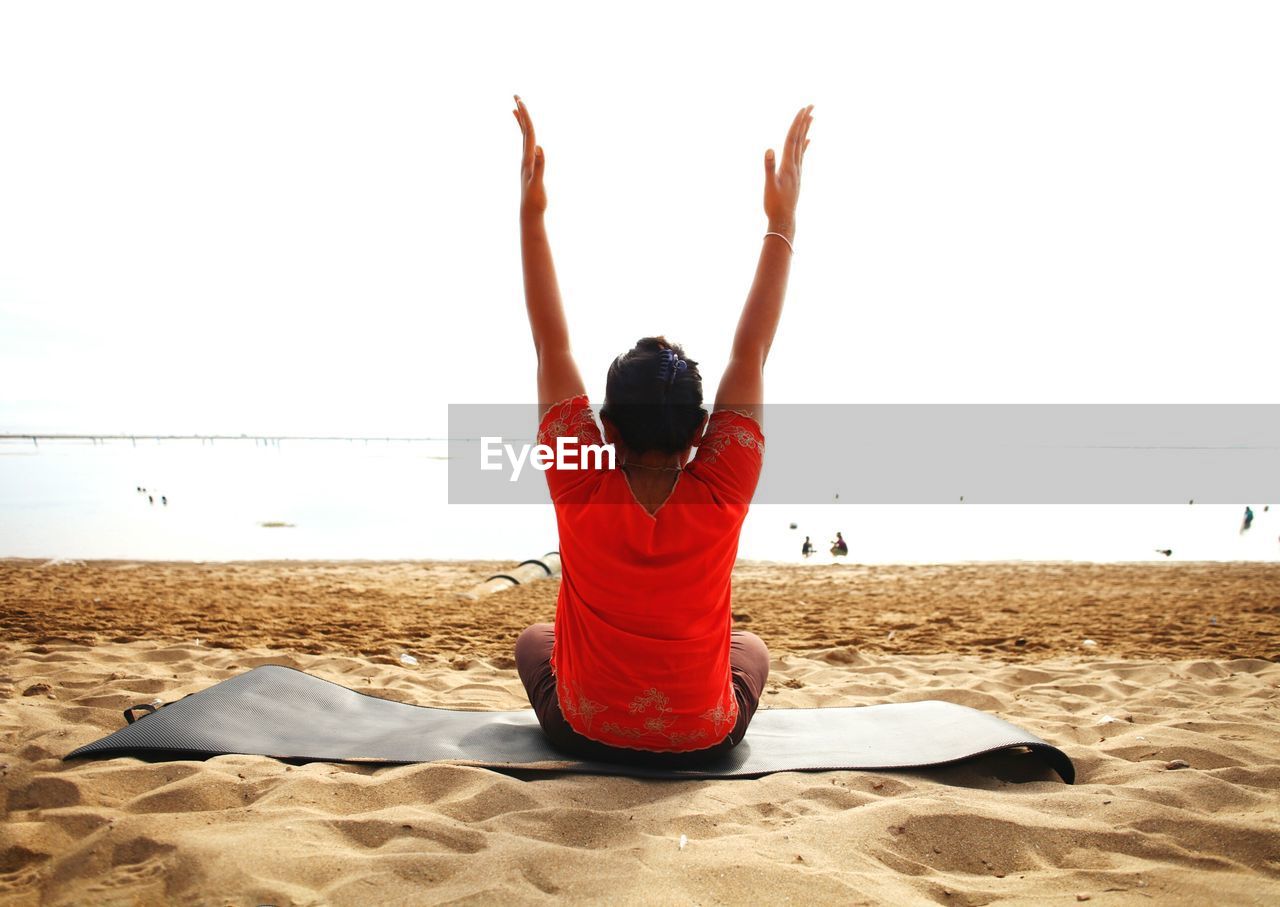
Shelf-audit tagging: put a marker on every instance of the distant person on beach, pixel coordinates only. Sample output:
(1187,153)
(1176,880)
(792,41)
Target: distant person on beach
(1248,519)
(642,664)
(807,549)
(164,500)
(150,499)
(839,547)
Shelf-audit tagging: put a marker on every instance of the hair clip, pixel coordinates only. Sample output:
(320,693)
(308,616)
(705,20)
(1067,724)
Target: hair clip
(671,365)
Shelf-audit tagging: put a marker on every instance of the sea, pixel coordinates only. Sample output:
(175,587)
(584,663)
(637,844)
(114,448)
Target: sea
(378,499)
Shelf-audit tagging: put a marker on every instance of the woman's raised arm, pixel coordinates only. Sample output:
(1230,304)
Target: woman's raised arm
(558,375)
(742,386)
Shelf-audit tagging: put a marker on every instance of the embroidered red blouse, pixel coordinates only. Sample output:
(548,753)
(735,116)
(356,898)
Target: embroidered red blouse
(641,654)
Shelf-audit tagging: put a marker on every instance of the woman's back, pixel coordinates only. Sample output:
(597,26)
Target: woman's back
(643,617)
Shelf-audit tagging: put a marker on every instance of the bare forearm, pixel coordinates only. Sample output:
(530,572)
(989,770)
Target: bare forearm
(541,290)
(742,387)
(763,308)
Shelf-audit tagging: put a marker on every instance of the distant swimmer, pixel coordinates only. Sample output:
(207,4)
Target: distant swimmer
(164,500)
(807,548)
(839,547)
(1248,519)
(150,499)
(1165,551)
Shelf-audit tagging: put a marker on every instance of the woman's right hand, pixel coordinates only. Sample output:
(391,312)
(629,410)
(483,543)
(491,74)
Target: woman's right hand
(782,182)
(533,197)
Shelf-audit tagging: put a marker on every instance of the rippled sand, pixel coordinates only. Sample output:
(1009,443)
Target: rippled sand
(1182,670)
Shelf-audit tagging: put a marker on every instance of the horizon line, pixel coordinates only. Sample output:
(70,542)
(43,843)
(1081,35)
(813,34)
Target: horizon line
(91,436)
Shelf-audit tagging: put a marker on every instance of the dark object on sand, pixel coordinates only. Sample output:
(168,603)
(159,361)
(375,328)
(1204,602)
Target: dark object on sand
(277,711)
(532,570)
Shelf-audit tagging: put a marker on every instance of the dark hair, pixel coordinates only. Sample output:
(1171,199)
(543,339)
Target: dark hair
(653,405)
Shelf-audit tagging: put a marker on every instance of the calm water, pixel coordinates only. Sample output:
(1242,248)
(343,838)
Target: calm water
(388,500)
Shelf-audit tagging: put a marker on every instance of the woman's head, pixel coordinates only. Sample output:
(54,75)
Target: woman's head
(653,401)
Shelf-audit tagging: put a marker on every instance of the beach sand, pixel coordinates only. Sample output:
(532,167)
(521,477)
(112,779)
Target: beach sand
(1182,669)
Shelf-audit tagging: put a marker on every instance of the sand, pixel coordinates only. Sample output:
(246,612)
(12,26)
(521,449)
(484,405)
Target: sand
(1182,670)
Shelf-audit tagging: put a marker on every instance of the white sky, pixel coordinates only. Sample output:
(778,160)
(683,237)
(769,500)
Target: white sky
(269,217)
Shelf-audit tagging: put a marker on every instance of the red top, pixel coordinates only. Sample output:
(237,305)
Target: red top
(641,654)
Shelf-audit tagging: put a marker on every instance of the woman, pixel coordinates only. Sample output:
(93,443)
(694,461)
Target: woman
(642,664)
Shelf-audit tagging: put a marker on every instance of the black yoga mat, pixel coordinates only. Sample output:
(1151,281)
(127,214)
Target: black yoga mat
(277,711)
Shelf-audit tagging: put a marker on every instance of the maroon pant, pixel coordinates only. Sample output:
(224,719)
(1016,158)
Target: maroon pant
(748,663)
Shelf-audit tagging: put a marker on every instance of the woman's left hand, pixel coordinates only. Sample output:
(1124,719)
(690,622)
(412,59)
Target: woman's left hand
(782,183)
(533,197)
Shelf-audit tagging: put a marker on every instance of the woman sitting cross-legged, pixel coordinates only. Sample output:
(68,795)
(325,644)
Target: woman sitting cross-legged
(642,664)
